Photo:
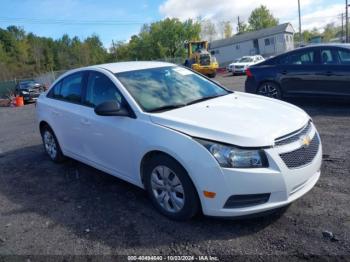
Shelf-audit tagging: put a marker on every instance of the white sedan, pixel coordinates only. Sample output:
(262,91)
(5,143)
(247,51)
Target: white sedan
(241,66)
(192,144)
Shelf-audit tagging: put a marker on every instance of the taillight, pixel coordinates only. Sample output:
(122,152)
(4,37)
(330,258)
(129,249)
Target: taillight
(248,73)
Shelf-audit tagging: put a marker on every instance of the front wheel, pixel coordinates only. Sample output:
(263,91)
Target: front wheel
(170,188)
(269,89)
(212,75)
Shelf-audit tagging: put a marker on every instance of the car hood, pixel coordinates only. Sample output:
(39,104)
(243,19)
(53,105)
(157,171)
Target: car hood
(243,64)
(240,119)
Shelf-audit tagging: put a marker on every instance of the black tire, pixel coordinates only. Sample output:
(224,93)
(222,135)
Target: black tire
(58,157)
(213,75)
(191,202)
(269,89)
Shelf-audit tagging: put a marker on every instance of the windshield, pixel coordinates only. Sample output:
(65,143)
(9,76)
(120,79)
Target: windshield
(168,87)
(246,59)
(26,84)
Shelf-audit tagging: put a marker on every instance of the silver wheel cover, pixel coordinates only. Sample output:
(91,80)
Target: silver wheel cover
(50,144)
(167,189)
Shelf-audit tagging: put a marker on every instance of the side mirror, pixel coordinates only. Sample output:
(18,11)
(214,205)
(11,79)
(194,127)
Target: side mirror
(111,108)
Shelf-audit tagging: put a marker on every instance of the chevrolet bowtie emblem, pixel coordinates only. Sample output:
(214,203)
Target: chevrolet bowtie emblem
(305,141)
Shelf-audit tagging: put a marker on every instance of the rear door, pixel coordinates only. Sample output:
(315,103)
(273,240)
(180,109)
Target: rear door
(65,111)
(335,74)
(297,72)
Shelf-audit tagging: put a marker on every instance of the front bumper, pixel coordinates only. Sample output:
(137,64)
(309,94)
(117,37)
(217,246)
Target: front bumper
(241,71)
(284,185)
(31,96)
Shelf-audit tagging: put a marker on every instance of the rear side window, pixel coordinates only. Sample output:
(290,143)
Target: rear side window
(100,89)
(299,58)
(68,89)
(344,56)
(71,88)
(55,90)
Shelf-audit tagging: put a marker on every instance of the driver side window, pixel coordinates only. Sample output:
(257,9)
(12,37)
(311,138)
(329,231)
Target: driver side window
(100,89)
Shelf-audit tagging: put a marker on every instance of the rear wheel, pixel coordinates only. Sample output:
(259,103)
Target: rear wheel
(269,89)
(51,145)
(170,188)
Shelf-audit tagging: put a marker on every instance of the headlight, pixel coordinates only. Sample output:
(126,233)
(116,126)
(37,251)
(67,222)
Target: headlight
(24,92)
(234,157)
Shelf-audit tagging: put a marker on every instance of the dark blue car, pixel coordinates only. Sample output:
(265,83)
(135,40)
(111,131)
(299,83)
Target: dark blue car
(317,71)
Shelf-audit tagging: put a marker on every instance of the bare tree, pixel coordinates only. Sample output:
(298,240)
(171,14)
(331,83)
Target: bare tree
(208,30)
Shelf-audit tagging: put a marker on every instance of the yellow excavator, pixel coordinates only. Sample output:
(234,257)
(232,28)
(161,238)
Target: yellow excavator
(199,58)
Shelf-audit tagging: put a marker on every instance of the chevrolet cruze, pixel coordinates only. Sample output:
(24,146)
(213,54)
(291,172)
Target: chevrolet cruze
(189,142)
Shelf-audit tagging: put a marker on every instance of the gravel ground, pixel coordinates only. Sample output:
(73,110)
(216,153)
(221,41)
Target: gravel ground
(73,209)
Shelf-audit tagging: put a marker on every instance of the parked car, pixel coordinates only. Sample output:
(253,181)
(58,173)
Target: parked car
(29,90)
(241,66)
(189,142)
(319,70)
(229,67)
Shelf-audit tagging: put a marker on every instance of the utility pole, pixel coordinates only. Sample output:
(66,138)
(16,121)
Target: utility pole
(300,21)
(238,25)
(342,28)
(346,22)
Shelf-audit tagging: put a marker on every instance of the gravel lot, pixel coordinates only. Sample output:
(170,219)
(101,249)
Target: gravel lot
(73,209)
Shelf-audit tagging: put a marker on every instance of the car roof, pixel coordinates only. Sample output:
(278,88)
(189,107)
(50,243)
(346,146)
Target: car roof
(26,81)
(324,45)
(131,66)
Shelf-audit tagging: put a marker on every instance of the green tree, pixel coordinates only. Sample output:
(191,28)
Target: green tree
(261,18)
(162,39)
(331,31)
(242,27)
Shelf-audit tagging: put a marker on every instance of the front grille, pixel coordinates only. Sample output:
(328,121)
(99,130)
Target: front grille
(302,156)
(295,136)
(204,60)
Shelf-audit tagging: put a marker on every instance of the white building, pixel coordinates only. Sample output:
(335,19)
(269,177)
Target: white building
(266,42)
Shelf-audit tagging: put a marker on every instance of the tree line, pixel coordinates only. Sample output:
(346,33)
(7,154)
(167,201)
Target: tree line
(24,55)
(330,32)
(260,18)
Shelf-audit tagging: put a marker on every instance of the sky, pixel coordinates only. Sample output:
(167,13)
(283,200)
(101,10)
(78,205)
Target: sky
(118,20)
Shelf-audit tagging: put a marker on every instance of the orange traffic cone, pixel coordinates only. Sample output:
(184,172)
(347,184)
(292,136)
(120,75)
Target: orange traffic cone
(19,101)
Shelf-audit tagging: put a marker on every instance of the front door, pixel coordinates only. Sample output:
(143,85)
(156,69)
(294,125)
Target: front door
(108,140)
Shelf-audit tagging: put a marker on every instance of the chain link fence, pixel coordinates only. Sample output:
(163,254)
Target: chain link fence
(7,87)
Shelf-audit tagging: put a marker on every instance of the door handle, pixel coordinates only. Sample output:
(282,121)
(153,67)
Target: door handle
(284,72)
(85,121)
(54,112)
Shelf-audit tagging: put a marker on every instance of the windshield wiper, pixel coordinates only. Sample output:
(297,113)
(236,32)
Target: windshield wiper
(203,99)
(167,107)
